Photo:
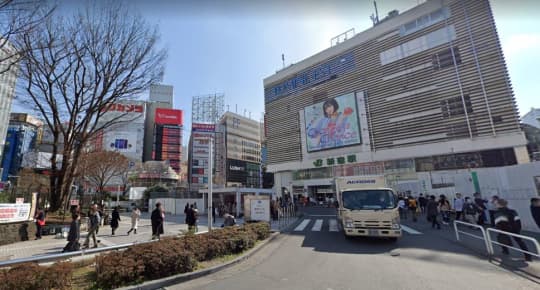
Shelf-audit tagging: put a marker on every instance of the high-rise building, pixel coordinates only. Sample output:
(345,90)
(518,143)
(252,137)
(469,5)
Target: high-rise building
(167,145)
(532,118)
(423,90)
(238,151)
(8,76)
(24,132)
(161,96)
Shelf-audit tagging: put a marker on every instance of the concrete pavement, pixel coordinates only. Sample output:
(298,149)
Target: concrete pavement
(317,257)
(174,225)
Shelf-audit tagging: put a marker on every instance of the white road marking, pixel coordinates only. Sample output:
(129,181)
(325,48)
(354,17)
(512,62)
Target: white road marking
(410,230)
(334,226)
(317,226)
(302,226)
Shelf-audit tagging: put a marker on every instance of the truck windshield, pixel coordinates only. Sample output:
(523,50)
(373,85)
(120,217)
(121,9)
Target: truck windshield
(369,199)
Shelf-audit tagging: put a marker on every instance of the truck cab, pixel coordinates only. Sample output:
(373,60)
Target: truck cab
(367,207)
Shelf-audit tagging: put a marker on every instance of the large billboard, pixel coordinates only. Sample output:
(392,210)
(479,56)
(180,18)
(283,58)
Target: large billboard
(121,141)
(168,117)
(332,123)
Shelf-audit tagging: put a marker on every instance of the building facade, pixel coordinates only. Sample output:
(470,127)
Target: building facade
(161,96)
(238,151)
(167,145)
(424,90)
(532,118)
(8,76)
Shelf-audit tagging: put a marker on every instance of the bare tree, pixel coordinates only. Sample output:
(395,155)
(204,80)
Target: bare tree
(100,167)
(74,69)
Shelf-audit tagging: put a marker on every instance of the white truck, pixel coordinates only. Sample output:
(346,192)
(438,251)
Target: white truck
(367,207)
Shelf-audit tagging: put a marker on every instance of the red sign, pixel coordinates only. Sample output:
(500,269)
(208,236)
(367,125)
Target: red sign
(74,202)
(168,117)
(126,108)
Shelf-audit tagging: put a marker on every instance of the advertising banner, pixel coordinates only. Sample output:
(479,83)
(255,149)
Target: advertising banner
(121,141)
(14,212)
(236,170)
(332,123)
(197,127)
(169,116)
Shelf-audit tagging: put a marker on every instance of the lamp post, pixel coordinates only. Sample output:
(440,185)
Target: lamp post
(210,207)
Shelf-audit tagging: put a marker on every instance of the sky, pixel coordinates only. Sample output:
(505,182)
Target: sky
(230,46)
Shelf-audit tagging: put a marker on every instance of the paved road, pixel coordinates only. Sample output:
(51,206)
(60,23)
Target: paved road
(315,255)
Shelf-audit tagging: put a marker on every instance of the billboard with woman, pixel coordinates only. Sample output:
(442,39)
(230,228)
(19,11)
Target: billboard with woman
(332,123)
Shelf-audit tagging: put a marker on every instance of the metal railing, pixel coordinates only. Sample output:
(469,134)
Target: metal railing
(285,215)
(533,240)
(482,230)
(489,242)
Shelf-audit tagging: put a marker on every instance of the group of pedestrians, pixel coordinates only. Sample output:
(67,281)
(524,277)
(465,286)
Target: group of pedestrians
(192,217)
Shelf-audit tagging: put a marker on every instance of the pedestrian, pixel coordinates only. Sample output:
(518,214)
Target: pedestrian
(135,217)
(481,207)
(535,210)
(470,211)
(40,222)
(444,207)
(186,209)
(228,220)
(459,202)
(423,202)
(115,220)
(213,213)
(432,210)
(99,213)
(73,235)
(402,208)
(157,219)
(492,207)
(93,219)
(413,206)
(508,220)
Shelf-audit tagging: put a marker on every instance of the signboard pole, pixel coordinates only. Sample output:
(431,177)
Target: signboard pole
(210,208)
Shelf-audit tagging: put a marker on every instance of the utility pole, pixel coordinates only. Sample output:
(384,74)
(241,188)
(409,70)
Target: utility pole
(210,206)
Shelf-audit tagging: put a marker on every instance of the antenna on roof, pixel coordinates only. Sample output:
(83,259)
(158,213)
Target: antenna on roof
(375,18)
(283,59)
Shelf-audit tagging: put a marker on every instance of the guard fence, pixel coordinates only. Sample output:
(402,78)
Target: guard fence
(489,239)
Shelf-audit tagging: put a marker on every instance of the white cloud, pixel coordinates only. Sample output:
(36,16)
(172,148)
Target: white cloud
(519,43)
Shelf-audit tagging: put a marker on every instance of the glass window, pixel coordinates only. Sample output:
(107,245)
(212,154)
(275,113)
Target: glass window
(369,199)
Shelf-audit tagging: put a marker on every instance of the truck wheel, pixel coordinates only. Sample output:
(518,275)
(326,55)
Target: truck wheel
(393,239)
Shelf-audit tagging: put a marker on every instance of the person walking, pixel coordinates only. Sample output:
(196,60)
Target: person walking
(413,205)
(444,207)
(481,207)
(40,222)
(135,217)
(213,213)
(432,210)
(423,202)
(73,235)
(508,220)
(402,208)
(94,224)
(535,210)
(157,218)
(459,202)
(470,211)
(492,207)
(115,218)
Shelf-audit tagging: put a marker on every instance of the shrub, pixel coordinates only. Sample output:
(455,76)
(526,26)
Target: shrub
(32,276)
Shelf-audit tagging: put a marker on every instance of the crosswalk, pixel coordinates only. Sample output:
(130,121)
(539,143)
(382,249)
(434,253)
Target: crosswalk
(331,225)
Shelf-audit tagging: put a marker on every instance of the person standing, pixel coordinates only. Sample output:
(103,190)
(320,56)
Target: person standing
(40,222)
(470,211)
(492,207)
(115,220)
(535,210)
(458,206)
(444,207)
(423,202)
(213,213)
(402,208)
(157,219)
(94,224)
(432,210)
(508,220)
(481,207)
(135,217)
(73,235)
(228,220)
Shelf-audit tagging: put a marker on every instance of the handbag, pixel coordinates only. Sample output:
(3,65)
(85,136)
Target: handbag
(41,222)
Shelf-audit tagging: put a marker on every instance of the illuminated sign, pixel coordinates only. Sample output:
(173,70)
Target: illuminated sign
(310,77)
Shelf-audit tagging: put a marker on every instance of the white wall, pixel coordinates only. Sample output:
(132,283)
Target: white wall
(176,205)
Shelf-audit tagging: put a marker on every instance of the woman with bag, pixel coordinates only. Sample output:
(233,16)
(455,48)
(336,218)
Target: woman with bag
(135,216)
(444,207)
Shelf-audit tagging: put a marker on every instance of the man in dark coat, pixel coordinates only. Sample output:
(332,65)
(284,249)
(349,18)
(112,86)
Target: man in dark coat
(432,212)
(115,220)
(73,235)
(157,221)
(508,220)
(535,210)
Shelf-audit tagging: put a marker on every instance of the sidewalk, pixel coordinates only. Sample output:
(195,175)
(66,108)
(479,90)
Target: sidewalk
(174,225)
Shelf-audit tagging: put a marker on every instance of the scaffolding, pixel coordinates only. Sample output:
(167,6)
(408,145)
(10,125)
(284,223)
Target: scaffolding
(208,108)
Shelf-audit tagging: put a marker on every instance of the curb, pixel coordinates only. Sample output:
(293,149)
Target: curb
(168,281)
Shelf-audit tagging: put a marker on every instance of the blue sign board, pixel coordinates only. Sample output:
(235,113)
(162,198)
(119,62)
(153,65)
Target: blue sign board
(310,77)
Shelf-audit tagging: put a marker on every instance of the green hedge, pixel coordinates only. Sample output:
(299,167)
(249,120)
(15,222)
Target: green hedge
(30,276)
(176,255)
